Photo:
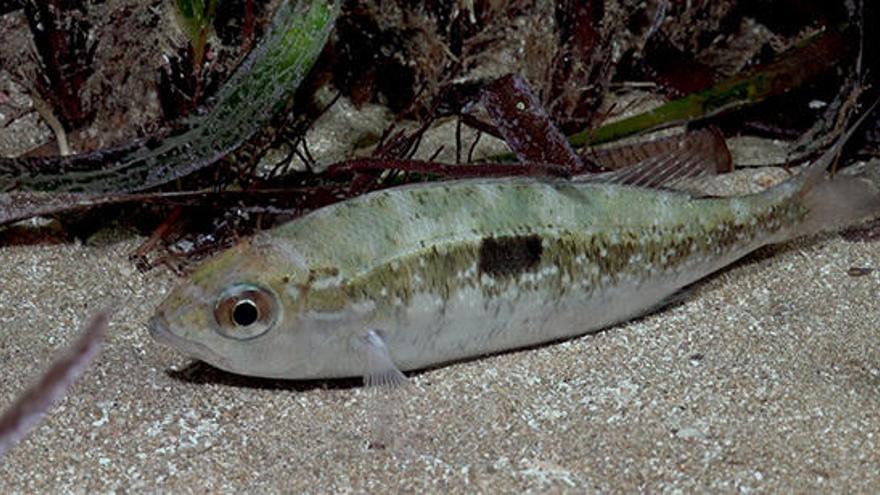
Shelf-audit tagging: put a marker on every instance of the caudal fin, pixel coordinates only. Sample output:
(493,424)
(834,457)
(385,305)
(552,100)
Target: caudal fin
(839,202)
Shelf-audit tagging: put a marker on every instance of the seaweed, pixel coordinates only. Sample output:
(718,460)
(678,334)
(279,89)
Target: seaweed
(793,69)
(264,81)
(424,62)
(66,54)
(525,125)
(27,409)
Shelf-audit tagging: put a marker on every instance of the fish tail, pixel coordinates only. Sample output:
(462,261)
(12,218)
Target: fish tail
(841,201)
(836,203)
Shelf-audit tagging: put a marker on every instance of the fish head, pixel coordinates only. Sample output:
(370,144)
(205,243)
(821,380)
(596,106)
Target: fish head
(236,312)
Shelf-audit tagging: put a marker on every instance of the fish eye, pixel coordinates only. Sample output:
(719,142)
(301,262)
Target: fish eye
(245,311)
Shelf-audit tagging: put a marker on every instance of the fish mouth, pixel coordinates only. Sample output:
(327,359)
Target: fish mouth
(160,331)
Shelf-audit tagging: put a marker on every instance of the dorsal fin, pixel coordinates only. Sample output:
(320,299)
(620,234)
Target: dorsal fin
(692,158)
(621,156)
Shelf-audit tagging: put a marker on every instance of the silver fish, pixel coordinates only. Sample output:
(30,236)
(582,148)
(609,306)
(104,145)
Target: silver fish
(411,277)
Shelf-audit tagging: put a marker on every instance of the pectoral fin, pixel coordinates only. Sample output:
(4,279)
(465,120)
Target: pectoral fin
(385,383)
(379,370)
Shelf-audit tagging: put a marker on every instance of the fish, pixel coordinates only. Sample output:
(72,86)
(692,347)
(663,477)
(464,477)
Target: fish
(426,274)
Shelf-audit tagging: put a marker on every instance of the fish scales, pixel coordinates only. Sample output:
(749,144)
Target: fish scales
(459,269)
(397,243)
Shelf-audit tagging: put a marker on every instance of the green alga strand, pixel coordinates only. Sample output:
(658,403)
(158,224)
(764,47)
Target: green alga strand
(802,64)
(258,88)
(794,69)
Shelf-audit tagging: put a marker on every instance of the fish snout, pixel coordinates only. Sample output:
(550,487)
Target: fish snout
(161,332)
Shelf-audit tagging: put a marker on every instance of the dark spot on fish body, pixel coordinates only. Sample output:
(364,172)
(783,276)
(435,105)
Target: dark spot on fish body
(509,255)
(322,272)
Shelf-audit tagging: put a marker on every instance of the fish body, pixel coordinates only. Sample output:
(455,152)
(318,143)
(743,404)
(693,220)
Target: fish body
(452,270)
